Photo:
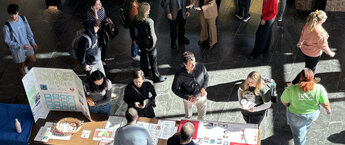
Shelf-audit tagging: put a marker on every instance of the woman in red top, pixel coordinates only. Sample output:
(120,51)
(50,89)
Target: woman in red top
(264,32)
(313,41)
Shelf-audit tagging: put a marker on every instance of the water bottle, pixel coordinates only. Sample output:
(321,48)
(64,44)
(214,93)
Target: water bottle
(18,126)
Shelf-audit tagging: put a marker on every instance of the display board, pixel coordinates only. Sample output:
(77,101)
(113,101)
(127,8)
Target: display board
(54,89)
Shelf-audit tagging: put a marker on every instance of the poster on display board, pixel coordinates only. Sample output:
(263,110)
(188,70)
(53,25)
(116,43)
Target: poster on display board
(54,89)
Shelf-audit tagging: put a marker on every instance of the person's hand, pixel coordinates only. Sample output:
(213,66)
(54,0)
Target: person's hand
(328,112)
(35,46)
(262,22)
(146,49)
(203,92)
(187,14)
(299,44)
(251,110)
(90,101)
(143,106)
(94,9)
(189,6)
(135,42)
(88,68)
(169,16)
(192,99)
(137,104)
(26,46)
(332,54)
(197,8)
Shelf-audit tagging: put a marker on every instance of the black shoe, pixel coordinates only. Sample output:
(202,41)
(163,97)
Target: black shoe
(173,46)
(184,40)
(202,42)
(160,79)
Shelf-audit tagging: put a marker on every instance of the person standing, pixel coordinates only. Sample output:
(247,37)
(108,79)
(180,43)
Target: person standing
(132,134)
(140,94)
(208,13)
(177,14)
(147,40)
(243,8)
(88,52)
(313,41)
(254,98)
(19,39)
(303,102)
(190,83)
(131,12)
(98,90)
(184,137)
(264,32)
(97,12)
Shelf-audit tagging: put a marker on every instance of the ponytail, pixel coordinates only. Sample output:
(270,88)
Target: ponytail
(314,18)
(307,77)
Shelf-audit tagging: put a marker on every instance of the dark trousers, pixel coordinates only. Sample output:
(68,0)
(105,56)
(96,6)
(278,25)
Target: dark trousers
(244,5)
(310,62)
(179,23)
(263,39)
(281,9)
(253,117)
(218,4)
(149,58)
(102,43)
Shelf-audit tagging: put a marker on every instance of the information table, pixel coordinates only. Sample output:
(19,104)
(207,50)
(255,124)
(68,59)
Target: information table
(98,121)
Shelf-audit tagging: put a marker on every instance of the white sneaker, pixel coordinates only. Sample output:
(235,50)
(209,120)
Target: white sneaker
(238,17)
(26,69)
(246,19)
(136,58)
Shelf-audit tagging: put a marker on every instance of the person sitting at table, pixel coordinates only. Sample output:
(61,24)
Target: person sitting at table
(132,134)
(184,137)
(98,89)
(140,94)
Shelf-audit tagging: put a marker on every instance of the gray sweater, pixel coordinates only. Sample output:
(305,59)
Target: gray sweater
(132,135)
(102,97)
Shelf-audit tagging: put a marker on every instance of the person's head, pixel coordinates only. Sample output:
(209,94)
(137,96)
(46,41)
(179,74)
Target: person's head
(188,60)
(254,80)
(143,11)
(307,80)
(316,18)
(129,3)
(138,78)
(131,115)
(13,11)
(91,26)
(96,4)
(97,81)
(187,131)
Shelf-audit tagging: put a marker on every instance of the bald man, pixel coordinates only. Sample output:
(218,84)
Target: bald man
(184,137)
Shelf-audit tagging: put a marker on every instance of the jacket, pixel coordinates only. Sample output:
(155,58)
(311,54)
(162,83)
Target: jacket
(172,6)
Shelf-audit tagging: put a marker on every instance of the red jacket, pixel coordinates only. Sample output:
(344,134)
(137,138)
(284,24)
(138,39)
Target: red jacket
(269,9)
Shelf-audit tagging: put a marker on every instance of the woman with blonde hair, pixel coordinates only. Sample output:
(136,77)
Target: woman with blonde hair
(303,101)
(254,98)
(313,41)
(147,39)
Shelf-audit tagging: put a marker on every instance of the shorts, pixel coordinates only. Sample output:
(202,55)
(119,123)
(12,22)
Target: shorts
(20,55)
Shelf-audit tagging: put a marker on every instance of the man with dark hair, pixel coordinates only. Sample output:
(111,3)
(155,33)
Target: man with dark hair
(131,134)
(184,137)
(190,83)
(177,14)
(19,39)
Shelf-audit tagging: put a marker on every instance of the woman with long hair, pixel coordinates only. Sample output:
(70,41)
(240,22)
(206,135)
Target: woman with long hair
(303,101)
(147,39)
(313,41)
(140,94)
(254,98)
(98,90)
(131,10)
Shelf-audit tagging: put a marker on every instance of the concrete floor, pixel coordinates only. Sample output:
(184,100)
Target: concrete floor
(227,63)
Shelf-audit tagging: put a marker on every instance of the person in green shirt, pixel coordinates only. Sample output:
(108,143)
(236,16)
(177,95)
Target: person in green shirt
(254,98)
(303,101)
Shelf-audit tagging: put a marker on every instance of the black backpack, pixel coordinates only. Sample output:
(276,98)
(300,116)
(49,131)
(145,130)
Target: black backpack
(10,28)
(144,35)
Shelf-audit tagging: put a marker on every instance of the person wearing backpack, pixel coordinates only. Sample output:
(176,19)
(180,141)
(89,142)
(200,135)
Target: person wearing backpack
(19,39)
(88,53)
(147,39)
(254,98)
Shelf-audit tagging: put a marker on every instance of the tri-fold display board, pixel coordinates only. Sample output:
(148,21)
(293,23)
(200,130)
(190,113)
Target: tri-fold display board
(54,89)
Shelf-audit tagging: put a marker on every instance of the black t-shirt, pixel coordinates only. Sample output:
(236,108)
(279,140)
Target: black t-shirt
(175,140)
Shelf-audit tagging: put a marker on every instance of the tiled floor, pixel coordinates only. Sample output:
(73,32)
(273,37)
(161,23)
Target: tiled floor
(227,63)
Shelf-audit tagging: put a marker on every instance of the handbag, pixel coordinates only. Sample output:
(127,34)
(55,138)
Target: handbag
(110,29)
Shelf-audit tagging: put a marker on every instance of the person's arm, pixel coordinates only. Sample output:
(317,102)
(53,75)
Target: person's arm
(239,95)
(206,76)
(176,88)
(191,4)
(29,34)
(132,30)
(128,96)
(208,5)
(285,98)
(117,137)
(153,33)
(12,44)
(324,44)
(324,102)
(149,139)
(83,45)
(167,7)
(327,106)
(107,96)
(261,107)
(152,90)
(270,10)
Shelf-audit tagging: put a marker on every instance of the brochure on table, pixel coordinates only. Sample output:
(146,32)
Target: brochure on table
(54,89)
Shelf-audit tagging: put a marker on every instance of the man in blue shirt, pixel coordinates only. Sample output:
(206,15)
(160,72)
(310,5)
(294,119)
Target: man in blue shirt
(19,39)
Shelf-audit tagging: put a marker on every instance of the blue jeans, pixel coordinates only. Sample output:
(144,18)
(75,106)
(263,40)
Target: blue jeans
(104,109)
(135,47)
(299,125)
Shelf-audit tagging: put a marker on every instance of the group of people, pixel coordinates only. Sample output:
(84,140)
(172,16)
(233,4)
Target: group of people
(302,97)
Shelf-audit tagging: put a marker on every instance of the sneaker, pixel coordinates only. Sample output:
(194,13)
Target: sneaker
(246,19)
(136,58)
(26,69)
(317,79)
(238,17)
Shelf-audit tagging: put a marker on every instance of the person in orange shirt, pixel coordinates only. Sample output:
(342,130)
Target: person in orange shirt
(132,8)
(313,41)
